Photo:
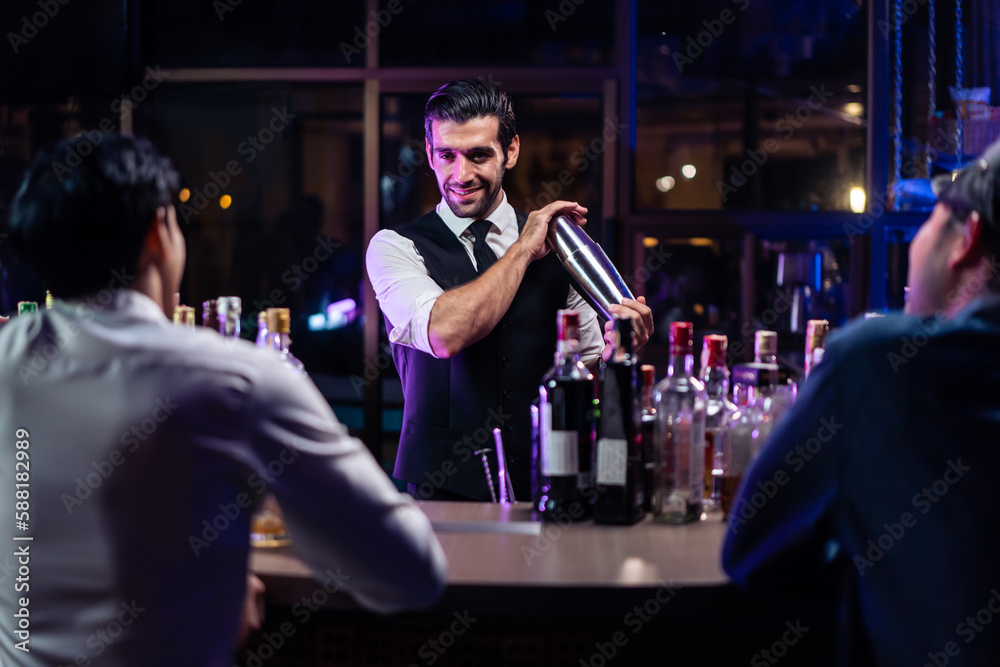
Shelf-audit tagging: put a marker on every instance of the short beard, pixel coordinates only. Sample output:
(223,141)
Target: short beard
(480,212)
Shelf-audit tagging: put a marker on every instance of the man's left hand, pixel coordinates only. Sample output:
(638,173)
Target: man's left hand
(642,323)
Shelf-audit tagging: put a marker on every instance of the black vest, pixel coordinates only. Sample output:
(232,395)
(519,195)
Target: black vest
(451,406)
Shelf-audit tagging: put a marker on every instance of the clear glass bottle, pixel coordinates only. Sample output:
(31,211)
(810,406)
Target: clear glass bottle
(617,463)
(49,300)
(748,428)
(279,327)
(262,332)
(816,331)
(718,412)
(680,434)
(229,309)
(566,430)
(648,434)
(210,314)
(783,388)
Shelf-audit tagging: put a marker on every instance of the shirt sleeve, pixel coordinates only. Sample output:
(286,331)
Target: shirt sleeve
(780,526)
(405,291)
(347,520)
(591,333)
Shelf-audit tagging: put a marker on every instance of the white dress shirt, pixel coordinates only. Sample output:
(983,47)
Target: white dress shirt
(406,292)
(147,445)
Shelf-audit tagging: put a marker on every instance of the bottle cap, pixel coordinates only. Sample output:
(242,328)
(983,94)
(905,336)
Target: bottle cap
(282,321)
(184,316)
(262,319)
(816,331)
(230,304)
(648,373)
(25,307)
(568,325)
(49,300)
(714,351)
(681,335)
(765,343)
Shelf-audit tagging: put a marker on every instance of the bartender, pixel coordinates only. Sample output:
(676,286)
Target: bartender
(470,293)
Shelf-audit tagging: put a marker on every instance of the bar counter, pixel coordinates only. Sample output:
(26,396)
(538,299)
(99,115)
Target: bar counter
(545,594)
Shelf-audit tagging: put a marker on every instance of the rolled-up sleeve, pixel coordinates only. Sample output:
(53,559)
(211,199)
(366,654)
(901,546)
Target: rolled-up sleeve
(347,520)
(405,291)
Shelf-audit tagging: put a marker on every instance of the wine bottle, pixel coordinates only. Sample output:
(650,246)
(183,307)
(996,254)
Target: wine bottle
(618,466)
(566,430)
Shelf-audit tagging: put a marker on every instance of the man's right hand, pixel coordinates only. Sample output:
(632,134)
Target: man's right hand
(536,229)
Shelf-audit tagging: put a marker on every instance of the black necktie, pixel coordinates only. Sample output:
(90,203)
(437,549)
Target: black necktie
(485,257)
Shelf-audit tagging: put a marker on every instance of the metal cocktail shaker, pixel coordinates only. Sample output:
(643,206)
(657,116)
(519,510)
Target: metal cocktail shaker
(596,278)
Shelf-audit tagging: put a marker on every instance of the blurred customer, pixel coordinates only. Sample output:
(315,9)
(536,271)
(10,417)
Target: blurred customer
(150,444)
(879,488)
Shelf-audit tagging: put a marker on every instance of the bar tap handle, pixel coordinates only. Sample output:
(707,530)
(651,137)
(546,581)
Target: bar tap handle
(486,468)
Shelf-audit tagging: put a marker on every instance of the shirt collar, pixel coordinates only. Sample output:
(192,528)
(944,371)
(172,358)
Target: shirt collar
(502,217)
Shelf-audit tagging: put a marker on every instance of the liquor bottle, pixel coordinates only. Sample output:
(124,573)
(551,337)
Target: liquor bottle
(648,435)
(26,307)
(184,316)
(618,456)
(718,411)
(816,331)
(49,300)
(262,333)
(680,434)
(747,429)
(784,389)
(210,314)
(566,415)
(229,309)
(279,327)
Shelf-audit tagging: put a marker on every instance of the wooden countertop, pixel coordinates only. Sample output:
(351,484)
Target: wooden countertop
(491,545)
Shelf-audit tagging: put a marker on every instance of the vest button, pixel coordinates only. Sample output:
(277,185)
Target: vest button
(508,427)
(505,394)
(504,328)
(505,362)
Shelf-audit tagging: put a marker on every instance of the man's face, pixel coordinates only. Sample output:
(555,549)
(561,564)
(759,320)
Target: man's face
(930,278)
(469,164)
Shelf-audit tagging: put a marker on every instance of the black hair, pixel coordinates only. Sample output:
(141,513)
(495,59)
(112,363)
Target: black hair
(462,101)
(84,208)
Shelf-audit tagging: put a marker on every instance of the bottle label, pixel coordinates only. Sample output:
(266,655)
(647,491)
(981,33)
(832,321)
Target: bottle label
(612,461)
(560,449)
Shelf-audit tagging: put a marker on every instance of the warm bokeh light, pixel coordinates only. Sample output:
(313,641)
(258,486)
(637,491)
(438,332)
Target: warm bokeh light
(184,195)
(857,199)
(855,109)
(225,201)
(688,171)
(650,242)
(665,184)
